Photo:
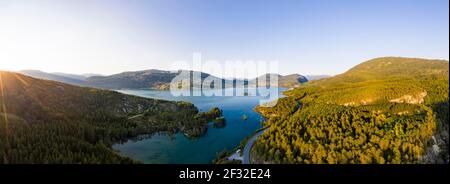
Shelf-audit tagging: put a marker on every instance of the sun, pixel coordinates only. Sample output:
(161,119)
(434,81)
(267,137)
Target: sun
(9,65)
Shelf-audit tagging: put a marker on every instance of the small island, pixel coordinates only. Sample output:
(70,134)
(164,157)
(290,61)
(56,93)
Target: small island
(244,117)
(200,126)
(220,122)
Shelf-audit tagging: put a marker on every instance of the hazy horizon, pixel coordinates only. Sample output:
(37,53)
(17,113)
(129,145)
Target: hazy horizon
(305,37)
(103,74)
(100,74)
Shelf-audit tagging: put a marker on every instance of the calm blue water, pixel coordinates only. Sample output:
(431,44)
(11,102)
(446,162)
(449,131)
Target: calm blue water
(177,149)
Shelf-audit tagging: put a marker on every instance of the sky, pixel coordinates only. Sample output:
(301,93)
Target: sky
(308,37)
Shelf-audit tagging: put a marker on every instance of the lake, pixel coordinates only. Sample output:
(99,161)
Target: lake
(178,149)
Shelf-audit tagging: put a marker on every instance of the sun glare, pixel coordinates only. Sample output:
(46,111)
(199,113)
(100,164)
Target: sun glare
(5,116)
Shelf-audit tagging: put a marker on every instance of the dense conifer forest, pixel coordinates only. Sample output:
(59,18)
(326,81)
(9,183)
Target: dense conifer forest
(386,110)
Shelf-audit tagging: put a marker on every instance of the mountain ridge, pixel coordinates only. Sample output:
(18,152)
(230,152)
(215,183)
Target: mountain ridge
(65,78)
(138,79)
(154,79)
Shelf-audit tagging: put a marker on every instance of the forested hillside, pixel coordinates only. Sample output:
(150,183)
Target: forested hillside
(161,80)
(150,79)
(386,110)
(50,122)
(287,81)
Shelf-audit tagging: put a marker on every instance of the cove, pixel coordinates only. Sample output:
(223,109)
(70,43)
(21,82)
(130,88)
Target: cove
(178,149)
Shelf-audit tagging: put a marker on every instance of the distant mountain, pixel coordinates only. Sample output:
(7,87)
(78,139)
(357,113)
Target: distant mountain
(87,75)
(60,77)
(153,79)
(158,79)
(288,81)
(385,110)
(73,76)
(293,80)
(43,121)
(132,80)
(316,77)
(146,79)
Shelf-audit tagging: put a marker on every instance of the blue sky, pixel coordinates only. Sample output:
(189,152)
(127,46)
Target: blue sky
(305,36)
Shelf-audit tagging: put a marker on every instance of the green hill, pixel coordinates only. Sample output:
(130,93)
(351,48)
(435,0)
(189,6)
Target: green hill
(287,81)
(146,79)
(133,80)
(161,80)
(50,122)
(386,110)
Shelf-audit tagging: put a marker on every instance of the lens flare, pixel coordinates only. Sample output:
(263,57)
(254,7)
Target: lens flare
(2,94)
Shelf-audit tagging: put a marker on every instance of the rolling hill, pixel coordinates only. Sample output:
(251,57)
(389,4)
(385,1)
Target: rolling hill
(386,110)
(151,79)
(316,77)
(287,81)
(60,77)
(154,79)
(43,121)
(158,79)
(76,76)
